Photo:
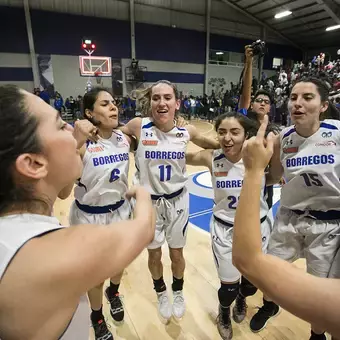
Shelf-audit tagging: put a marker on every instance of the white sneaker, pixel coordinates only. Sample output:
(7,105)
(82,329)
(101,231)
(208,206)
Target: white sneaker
(164,306)
(178,307)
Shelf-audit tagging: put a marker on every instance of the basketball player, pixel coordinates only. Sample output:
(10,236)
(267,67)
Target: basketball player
(160,163)
(313,299)
(308,155)
(99,195)
(46,268)
(227,172)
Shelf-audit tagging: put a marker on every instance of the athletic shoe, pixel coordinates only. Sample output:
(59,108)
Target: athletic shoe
(240,309)
(101,332)
(317,336)
(116,306)
(224,324)
(178,307)
(164,306)
(260,319)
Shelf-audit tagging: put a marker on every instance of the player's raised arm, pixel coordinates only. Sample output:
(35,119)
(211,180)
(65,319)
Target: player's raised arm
(200,140)
(315,300)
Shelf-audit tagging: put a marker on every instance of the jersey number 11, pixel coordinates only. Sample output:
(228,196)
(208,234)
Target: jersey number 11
(164,173)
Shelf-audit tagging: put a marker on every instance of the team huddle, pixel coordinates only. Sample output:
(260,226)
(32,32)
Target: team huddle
(306,156)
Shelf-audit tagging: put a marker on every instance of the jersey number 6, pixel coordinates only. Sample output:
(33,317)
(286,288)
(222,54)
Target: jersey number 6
(114,175)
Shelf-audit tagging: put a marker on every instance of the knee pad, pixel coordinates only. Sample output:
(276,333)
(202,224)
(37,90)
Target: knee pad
(228,293)
(247,288)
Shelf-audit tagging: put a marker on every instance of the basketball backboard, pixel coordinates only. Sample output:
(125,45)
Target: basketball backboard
(90,66)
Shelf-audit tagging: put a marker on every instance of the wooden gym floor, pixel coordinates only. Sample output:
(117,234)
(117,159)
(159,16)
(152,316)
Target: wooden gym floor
(200,290)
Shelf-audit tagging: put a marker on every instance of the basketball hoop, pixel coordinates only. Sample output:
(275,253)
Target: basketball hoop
(98,76)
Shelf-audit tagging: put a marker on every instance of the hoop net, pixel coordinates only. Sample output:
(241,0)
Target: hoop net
(98,76)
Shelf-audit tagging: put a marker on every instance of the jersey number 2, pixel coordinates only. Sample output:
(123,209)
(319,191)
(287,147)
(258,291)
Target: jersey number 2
(233,202)
(114,175)
(164,173)
(311,179)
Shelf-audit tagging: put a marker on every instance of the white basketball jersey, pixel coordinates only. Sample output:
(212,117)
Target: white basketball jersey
(311,168)
(15,232)
(104,179)
(160,158)
(227,181)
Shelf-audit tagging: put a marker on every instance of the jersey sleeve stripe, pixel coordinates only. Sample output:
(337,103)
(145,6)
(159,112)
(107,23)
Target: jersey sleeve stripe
(147,126)
(221,156)
(289,133)
(328,126)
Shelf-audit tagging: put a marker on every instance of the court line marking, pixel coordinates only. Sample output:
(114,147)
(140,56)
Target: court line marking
(202,231)
(212,127)
(200,213)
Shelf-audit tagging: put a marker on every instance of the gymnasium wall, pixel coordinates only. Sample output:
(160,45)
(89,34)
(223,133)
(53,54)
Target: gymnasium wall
(59,34)
(16,69)
(67,79)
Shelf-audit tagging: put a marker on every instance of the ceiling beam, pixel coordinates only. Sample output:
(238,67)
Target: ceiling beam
(250,16)
(331,8)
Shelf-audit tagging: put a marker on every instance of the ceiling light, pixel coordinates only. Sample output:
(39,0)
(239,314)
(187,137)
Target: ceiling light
(282,14)
(219,53)
(332,28)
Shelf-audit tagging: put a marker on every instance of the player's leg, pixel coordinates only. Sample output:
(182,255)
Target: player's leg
(322,240)
(112,292)
(95,295)
(246,287)
(176,234)
(285,242)
(221,237)
(156,268)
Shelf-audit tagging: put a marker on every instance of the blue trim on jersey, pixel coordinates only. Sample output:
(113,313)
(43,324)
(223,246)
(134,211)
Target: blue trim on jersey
(221,156)
(194,179)
(99,210)
(289,133)
(328,126)
(167,196)
(148,125)
(185,227)
(118,134)
(181,129)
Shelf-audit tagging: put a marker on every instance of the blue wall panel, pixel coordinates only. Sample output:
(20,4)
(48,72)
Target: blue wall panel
(169,44)
(13,30)
(16,74)
(60,33)
(189,78)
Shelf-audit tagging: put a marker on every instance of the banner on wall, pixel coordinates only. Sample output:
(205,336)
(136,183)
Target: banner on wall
(117,77)
(46,73)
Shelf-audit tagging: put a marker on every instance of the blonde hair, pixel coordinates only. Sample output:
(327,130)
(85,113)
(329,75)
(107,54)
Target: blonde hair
(143,97)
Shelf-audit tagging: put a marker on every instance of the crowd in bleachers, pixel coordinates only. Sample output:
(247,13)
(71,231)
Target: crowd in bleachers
(208,107)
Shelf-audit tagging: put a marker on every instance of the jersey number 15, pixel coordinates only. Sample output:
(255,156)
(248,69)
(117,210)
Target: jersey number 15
(311,179)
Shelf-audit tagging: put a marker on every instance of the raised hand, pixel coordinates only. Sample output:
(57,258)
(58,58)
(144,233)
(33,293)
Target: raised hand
(257,151)
(84,130)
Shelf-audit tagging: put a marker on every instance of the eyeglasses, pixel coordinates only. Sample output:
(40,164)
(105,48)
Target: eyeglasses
(261,100)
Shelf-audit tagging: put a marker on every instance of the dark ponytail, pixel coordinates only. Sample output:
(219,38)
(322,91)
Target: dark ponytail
(18,135)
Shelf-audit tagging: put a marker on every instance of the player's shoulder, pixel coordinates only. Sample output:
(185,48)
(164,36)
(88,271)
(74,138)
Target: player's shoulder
(217,155)
(330,124)
(288,131)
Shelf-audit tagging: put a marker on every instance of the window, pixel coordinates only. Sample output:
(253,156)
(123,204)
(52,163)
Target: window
(218,57)
(277,62)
